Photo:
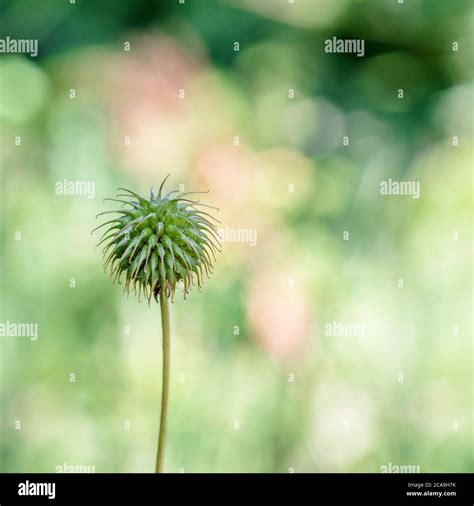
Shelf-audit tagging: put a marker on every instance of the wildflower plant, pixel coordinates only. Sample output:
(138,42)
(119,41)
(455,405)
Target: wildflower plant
(153,246)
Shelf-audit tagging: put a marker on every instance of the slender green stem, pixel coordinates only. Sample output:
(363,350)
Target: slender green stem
(165,326)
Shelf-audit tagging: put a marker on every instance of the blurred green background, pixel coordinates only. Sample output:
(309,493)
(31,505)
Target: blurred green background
(123,92)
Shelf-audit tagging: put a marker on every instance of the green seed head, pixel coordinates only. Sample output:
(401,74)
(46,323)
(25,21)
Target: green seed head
(159,242)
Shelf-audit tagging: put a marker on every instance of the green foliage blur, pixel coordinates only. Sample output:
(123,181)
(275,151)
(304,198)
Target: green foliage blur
(239,97)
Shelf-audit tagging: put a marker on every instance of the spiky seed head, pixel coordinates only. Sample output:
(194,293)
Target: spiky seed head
(156,243)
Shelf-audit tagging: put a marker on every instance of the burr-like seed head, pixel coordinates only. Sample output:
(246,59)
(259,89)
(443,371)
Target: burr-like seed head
(156,243)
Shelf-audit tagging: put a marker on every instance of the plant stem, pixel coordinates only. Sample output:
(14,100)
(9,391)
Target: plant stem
(165,326)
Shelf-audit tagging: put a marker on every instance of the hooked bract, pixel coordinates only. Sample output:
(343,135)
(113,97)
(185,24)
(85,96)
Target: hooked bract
(156,243)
